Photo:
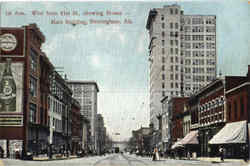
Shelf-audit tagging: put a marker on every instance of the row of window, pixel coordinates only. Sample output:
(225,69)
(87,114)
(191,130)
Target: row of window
(177,93)
(198,20)
(174,25)
(198,45)
(211,119)
(55,106)
(198,53)
(198,37)
(211,112)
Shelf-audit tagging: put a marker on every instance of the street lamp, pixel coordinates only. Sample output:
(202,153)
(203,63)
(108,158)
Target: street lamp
(51,130)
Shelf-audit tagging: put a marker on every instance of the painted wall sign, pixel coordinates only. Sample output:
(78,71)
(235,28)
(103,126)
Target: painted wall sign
(12,42)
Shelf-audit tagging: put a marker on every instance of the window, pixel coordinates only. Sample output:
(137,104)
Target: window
(163,68)
(176,76)
(171,50)
(176,59)
(171,76)
(33,86)
(210,29)
(176,50)
(176,11)
(176,85)
(176,68)
(176,42)
(163,93)
(33,60)
(162,17)
(163,59)
(163,85)
(171,68)
(163,51)
(32,113)
(163,77)
(171,25)
(163,25)
(162,42)
(171,42)
(171,11)
(187,45)
(172,85)
(187,37)
(176,26)
(176,34)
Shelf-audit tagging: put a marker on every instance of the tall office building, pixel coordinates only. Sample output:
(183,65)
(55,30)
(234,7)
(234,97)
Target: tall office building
(85,92)
(182,54)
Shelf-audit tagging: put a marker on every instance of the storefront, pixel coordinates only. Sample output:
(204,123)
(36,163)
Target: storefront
(234,138)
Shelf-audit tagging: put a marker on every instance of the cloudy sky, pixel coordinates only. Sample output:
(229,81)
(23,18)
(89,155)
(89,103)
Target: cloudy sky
(116,56)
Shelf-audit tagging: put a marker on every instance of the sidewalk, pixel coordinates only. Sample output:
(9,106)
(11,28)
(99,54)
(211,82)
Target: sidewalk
(55,157)
(217,160)
(209,159)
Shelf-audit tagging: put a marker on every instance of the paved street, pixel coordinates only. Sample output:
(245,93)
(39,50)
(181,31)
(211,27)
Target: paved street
(118,160)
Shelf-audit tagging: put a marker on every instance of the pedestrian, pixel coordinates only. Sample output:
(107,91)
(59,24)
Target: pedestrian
(156,154)
(153,155)
(188,155)
(245,153)
(221,151)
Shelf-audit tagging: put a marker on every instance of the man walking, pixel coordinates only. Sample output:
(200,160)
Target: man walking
(221,150)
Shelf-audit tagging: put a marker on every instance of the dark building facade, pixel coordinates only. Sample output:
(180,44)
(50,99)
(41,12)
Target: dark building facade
(176,107)
(28,81)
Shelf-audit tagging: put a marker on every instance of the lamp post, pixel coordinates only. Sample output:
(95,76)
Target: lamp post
(51,130)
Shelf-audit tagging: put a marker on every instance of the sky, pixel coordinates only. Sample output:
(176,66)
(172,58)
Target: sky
(116,55)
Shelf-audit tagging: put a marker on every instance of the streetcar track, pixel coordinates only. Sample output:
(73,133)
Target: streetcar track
(111,160)
(134,159)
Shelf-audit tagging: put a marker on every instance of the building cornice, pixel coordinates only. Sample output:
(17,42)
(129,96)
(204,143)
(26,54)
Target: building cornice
(238,87)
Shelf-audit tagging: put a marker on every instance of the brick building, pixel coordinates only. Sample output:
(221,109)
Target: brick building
(176,107)
(34,99)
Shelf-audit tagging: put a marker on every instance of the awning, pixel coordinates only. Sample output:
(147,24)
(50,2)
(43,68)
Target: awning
(190,138)
(235,132)
(177,145)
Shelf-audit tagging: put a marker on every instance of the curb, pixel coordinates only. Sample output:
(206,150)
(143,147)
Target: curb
(55,159)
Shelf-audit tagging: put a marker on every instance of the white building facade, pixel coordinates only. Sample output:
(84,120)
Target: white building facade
(182,54)
(85,92)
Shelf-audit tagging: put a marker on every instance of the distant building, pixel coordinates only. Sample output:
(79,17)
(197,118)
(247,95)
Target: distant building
(77,131)
(85,92)
(141,139)
(182,54)
(101,134)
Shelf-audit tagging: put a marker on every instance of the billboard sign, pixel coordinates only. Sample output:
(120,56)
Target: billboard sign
(11,92)
(12,42)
